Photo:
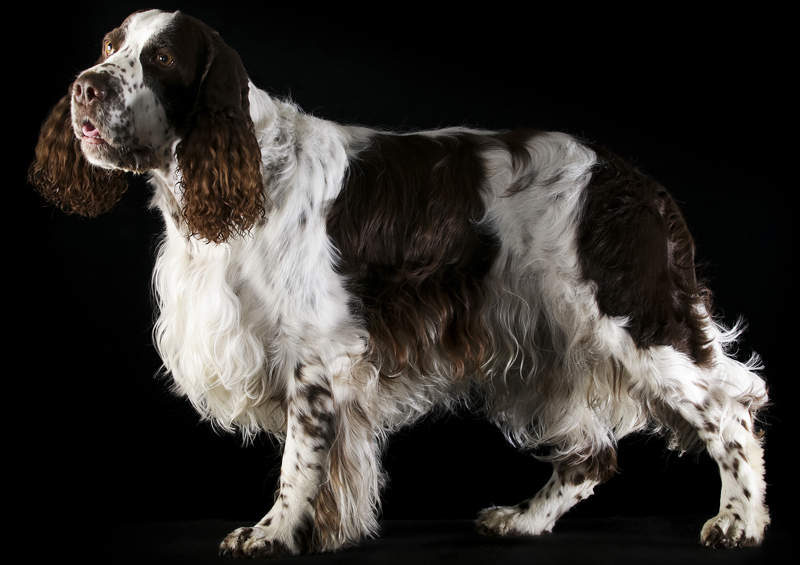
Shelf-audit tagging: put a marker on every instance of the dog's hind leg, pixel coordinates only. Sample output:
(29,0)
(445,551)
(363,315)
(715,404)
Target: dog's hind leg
(719,403)
(635,248)
(570,483)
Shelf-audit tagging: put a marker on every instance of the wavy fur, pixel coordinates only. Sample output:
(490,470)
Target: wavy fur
(222,190)
(64,177)
(331,284)
(219,156)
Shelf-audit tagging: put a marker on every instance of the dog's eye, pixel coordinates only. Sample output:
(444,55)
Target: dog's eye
(164,58)
(108,47)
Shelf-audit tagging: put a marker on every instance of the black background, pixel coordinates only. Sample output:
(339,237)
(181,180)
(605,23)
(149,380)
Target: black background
(696,99)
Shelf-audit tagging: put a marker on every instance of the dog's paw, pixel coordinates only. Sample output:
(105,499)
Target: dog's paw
(727,530)
(499,521)
(253,542)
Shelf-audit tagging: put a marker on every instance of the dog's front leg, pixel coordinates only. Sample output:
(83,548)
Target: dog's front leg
(288,527)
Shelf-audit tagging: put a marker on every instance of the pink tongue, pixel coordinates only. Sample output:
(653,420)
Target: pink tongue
(90,131)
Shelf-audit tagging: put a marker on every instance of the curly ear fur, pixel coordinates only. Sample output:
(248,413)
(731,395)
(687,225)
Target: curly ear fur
(219,157)
(220,163)
(63,176)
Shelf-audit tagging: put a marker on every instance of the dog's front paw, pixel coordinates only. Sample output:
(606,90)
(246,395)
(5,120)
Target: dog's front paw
(728,529)
(253,542)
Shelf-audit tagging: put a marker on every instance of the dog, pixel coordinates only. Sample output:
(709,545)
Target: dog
(330,284)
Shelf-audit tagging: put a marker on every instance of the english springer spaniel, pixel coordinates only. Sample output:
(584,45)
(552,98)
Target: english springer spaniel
(330,284)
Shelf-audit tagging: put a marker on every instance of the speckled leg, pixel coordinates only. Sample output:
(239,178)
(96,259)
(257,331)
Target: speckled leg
(287,529)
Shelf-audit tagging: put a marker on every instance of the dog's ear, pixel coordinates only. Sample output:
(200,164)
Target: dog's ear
(63,176)
(219,156)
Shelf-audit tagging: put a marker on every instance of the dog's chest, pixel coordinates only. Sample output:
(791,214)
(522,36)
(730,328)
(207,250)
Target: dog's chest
(287,279)
(277,287)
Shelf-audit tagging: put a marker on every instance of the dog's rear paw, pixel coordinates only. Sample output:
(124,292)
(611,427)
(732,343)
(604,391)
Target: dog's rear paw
(253,542)
(496,521)
(510,521)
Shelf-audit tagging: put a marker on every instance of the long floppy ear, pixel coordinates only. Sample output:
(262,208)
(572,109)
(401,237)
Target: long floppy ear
(219,156)
(63,176)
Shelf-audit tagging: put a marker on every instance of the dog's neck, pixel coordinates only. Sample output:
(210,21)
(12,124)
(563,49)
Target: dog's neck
(298,150)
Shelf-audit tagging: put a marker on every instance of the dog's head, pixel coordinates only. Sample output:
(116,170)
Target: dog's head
(166,86)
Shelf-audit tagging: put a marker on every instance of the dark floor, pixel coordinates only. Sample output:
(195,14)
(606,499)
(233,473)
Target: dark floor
(586,540)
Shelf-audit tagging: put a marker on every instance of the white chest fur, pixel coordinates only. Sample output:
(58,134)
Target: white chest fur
(235,319)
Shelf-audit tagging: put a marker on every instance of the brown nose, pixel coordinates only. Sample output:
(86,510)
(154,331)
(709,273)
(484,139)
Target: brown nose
(90,88)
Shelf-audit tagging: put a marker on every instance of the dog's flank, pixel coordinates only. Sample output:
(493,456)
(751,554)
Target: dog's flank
(330,284)
(408,229)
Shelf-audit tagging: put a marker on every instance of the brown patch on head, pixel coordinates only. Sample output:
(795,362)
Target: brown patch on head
(407,227)
(63,176)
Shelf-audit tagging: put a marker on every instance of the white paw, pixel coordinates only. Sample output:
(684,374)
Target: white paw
(254,542)
(508,521)
(727,529)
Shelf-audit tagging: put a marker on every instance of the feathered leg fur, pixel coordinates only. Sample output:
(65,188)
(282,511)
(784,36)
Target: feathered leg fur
(719,404)
(288,527)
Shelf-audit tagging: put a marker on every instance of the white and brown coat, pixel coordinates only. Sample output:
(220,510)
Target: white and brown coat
(329,284)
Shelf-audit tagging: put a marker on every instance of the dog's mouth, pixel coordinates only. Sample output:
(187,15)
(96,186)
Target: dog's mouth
(90,134)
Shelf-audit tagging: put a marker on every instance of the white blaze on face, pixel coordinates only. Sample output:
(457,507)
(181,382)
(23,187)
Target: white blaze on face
(133,119)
